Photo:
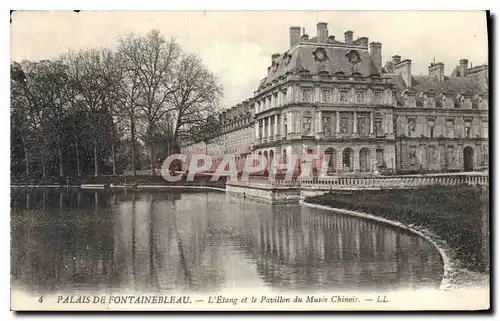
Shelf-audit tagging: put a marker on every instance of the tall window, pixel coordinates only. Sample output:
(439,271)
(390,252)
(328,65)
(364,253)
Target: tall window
(306,95)
(483,161)
(468,129)
(377,97)
(450,128)
(360,96)
(380,157)
(362,130)
(327,125)
(306,125)
(450,156)
(484,128)
(283,97)
(379,131)
(325,96)
(430,125)
(344,93)
(344,124)
(431,155)
(285,125)
(412,155)
(411,127)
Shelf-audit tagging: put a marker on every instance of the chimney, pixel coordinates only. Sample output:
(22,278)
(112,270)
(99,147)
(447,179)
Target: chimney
(363,41)
(331,38)
(348,37)
(376,55)
(437,70)
(396,59)
(322,32)
(403,68)
(294,35)
(463,67)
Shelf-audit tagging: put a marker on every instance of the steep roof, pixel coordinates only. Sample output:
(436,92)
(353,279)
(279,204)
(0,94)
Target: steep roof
(307,58)
(454,84)
(450,85)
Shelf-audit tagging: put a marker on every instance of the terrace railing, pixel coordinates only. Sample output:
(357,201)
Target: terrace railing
(408,181)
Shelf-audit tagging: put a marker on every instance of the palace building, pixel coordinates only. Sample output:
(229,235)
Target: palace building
(336,99)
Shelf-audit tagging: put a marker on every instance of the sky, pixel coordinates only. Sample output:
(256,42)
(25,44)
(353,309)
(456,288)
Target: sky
(237,45)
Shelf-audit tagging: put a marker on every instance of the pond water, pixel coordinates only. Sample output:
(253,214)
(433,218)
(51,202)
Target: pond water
(152,242)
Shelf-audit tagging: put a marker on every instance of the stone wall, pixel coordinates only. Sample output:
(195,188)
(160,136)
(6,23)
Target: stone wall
(264,192)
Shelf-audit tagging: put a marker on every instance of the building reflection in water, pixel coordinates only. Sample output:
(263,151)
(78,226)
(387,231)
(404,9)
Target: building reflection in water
(173,241)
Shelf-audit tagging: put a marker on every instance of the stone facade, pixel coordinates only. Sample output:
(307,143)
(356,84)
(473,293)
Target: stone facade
(335,101)
(236,137)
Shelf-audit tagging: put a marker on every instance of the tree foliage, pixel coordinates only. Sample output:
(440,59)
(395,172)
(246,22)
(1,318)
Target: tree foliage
(98,111)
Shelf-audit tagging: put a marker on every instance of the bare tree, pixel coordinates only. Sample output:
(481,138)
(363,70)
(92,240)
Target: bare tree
(74,108)
(112,75)
(50,83)
(31,79)
(129,94)
(196,94)
(151,59)
(20,105)
(85,72)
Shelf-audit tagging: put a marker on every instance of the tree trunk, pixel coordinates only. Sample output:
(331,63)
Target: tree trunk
(78,173)
(132,135)
(59,153)
(42,160)
(96,163)
(151,159)
(113,155)
(152,150)
(26,158)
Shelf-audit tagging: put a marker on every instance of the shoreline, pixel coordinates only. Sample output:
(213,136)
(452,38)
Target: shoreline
(122,187)
(455,276)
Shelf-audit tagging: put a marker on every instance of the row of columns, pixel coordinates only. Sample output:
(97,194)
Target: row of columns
(275,99)
(270,127)
(274,125)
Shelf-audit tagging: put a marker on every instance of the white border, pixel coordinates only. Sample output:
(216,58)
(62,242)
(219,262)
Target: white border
(183,5)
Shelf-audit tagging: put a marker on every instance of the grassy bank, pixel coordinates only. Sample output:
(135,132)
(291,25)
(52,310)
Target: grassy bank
(457,214)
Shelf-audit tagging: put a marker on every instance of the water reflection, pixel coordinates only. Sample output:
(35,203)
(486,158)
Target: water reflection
(161,241)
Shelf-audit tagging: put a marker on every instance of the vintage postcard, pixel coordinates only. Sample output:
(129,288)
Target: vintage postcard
(249,160)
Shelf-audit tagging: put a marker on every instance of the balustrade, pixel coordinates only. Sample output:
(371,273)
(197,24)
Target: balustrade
(392,182)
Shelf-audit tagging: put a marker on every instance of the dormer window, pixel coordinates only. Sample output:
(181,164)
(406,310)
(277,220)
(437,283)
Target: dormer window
(429,101)
(320,55)
(275,66)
